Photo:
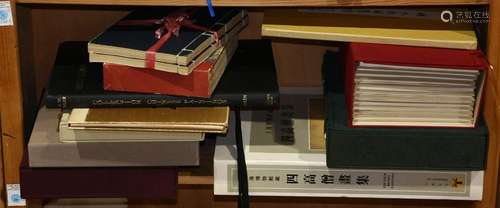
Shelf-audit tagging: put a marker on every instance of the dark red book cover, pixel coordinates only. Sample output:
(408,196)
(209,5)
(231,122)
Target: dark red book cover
(130,79)
(102,182)
(200,83)
(406,56)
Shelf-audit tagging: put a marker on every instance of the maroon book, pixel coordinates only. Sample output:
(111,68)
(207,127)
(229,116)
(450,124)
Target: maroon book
(129,182)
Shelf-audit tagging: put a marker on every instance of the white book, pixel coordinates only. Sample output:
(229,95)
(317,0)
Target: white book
(414,79)
(404,104)
(415,89)
(281,168)
(404,71)
(359,98)
(426,96)
(67,134)
(412,83)
(431,69)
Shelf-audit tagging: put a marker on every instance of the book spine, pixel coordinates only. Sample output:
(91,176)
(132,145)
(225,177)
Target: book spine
(98,182)
(252,101)
(310,181)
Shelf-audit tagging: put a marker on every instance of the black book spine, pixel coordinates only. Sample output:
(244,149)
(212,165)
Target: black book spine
(136,100)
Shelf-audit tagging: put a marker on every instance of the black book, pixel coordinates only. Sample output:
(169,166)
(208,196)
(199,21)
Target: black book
(401,148)
(249,82)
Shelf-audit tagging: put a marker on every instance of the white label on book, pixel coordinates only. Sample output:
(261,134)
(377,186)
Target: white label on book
(14,195)
(5,14)
(265,178)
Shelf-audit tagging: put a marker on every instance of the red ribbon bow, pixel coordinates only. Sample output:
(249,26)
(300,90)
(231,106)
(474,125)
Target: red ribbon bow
(169,25)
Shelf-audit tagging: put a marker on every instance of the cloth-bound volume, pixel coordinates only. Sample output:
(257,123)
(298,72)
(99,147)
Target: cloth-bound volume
(401,148)
(173,39)
(76,83)
(147,149)
(98,182)
(282,168)
(200,83)
(330,25)
(402,86)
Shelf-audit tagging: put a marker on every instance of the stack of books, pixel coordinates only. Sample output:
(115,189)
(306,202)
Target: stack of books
(399,116)
(121,128)
(392,85)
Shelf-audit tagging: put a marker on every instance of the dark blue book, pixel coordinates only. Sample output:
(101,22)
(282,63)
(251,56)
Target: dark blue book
(172,39)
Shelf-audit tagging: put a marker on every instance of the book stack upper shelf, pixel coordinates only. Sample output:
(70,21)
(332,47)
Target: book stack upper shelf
(12,112)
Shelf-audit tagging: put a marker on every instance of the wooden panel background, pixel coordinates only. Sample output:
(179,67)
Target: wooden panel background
(11,104)
(44,27)
(261,3)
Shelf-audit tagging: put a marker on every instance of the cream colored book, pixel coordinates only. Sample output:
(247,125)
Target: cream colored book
(83,134)
(303,24)
(181,119)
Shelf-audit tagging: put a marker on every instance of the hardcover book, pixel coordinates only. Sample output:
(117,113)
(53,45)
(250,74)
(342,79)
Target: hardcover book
(97,182)
(324,25)
(45,149)
(168,39)
(401,148)
(200,83)
(181,119)
(389,85)
(76,83)
(296,166)
(67,134)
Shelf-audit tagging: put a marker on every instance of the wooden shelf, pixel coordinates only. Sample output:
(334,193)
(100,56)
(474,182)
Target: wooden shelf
(263,3)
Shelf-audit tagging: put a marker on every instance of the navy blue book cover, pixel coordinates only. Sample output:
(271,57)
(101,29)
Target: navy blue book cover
(138,30)
(249,82)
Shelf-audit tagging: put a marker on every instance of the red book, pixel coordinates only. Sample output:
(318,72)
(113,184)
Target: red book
(391,85)
(97,182)
(200,83)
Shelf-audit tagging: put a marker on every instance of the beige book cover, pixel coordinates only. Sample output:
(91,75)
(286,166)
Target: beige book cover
(45,149)
(67,134)
(307,24)
(181,119)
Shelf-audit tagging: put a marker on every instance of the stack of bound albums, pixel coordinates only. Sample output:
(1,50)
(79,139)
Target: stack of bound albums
(124,110)
(399,115)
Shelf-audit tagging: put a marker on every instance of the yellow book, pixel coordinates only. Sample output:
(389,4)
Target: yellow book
(293,23)
(181,119)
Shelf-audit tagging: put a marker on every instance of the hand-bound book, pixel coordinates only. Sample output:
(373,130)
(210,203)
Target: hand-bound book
(168,39)
(345,27)
(46,150)
(401,148)
(390,85)
(76,83)
(97,182)
(200,83)
(182,119)
(284,157)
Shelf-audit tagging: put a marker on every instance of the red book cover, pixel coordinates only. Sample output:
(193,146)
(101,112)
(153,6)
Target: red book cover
(409,56)
(97,182)
(200,83)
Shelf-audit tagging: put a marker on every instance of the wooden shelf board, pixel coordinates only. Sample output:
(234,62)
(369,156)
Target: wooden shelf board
(263,3)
